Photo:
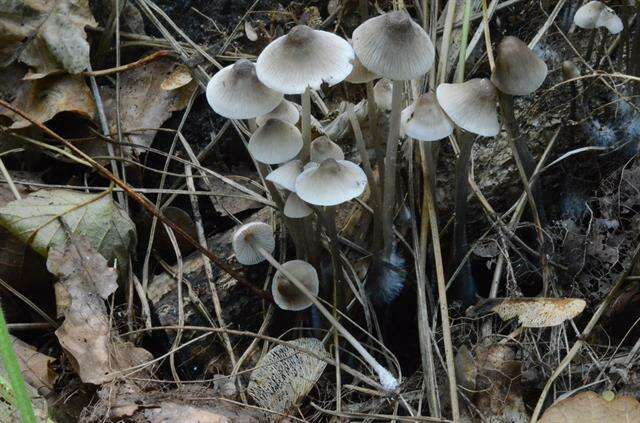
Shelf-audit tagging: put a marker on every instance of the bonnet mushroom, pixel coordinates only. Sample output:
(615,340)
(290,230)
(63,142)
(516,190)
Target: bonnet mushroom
(246,240)
(236,93)
(593,15)
(285,176)
(323,148)
(285,294)
(425,120)
(331,182)
(286,111)
(295,208)
(275,142)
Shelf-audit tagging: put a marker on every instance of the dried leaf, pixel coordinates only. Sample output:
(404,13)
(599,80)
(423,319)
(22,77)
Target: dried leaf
(47,35)
(143,103)
(229,199)
(170,412)
(533,312)
(44,98)
(34,221)
(178,77)
(589,407)
(249,31)
(86,331)
(466,370)
(285,375)
(34,365)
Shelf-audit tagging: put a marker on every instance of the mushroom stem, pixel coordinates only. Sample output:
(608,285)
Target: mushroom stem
(306,125)
(590,45)
(389,193)
(601,53)
(388,382)
(372,112)
(464,287)
(525,164)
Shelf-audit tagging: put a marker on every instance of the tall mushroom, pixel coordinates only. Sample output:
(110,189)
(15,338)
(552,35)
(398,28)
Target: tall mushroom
(301,61)
(251,243)
(395,47)
(593,15)
(275,142)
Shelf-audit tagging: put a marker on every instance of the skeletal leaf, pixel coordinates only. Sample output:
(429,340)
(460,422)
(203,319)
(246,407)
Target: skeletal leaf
(34,220)
(533,312)
(285,375)
(589,407)
(86,332)
(47,35)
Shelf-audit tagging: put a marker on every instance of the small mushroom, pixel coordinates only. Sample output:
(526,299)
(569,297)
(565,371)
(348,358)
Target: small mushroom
(236,93)
(285,294)
(596,14)
(425,120)
(382,93)
(394,46)
(518,71)
(323,148)
(360,74)
(285,176)
(304,58)
(246,240)
(331,182)
(286,111)
(275,142)
(295,208)
(471,105)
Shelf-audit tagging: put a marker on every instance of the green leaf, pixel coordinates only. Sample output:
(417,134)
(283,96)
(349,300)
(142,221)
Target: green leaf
(34,220)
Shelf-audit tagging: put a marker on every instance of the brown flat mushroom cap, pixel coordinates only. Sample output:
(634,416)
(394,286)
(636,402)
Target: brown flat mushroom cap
(518,71)
(394,46)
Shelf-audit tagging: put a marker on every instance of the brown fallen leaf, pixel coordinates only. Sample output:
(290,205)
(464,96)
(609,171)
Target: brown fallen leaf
(589,407)
(47,35)
(178,77)
(44,98)
(86,332)
(170,412)
(34,365)
(532,312)
(143,103)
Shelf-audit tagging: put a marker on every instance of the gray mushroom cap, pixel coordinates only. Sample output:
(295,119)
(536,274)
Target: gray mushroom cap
(304,58)
(247,236)
(286,111)
(236,93)
(518,71)
(323,148)
(285,294)
(425,120)
(472,105)
(285,176)
(275,142)
(596,14)
(393,46)
(331,182)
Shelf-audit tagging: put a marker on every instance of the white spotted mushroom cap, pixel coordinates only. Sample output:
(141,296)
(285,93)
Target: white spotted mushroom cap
(518,71)
(236,93)
(275,142)
(304,57)
(471,105)
(323,148)
(285,294)
(286,111)
(393,46)
(247,236)
(285,176)
(331,182)
(295,208)
(425,120)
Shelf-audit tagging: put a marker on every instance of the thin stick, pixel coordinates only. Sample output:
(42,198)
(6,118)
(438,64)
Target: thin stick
(387,380)
(442,290)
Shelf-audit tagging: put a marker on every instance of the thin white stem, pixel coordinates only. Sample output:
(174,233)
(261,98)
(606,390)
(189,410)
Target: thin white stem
(387,380)
(306,124)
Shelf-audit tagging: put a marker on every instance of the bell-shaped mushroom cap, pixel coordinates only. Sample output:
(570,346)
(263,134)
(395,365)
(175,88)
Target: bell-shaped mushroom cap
(587,15)
(425,120)
(610,20)
(471,105)
(596,14)
(295,208)
(331,182)
(285,176)
(382,92)
(275,142)
(518,71)
(323,148)
(285,293)
(360,74)
(236,93)
(286,111)
(304,58)
(569,70)
(394,46)
(247,236)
